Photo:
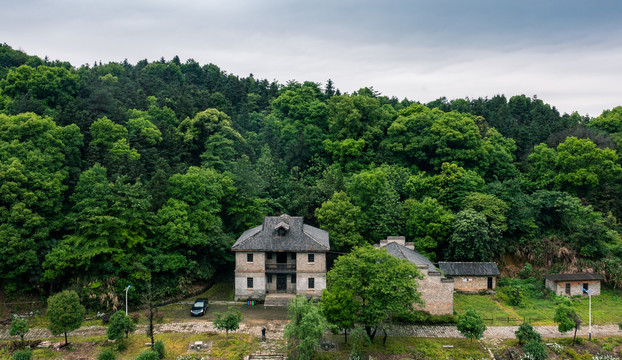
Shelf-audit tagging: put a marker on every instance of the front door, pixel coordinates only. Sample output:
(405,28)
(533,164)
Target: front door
(281,283)
(281,258)
(490,283)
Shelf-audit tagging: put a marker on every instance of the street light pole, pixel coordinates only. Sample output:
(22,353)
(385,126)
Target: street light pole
(589,295)
(126,289)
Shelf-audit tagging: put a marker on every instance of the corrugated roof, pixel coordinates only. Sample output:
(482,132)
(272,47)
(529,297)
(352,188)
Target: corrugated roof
(298,237)
(402,252)
(469,268)
(574,277)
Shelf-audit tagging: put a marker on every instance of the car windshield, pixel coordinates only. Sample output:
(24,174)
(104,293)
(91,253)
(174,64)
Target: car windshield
(198,304)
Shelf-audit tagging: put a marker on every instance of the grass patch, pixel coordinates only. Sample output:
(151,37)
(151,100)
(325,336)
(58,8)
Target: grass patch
(606,308)
(412,348)
(176,344)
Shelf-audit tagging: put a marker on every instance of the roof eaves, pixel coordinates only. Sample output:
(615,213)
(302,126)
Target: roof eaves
(314,239)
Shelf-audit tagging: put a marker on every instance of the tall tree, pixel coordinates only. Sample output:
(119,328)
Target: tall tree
(379,284)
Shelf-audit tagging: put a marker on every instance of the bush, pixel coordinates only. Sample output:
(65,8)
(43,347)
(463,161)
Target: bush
(22,355)
(607,347)
(107,354)
(135,317)
(148,355)
(158,348)
(106,319)
(526,333)
(535,350)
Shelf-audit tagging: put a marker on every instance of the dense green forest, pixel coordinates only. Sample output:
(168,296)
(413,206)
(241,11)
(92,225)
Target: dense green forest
(118,173)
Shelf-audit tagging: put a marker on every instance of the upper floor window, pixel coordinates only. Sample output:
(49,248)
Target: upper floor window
(249,257)
(269,256)
(311,258)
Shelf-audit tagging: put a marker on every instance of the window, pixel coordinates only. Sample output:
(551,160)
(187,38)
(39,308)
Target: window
(249,257)
(293,256)
(269,278)
(567,288)
(269,256)
(586,287)
(311,258)
(293,278)
(249,282)
(311,283)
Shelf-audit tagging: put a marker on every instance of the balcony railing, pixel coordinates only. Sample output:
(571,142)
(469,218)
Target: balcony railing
(280,266)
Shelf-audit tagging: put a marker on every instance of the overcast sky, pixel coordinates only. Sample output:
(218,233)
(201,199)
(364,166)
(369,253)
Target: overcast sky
(567,52)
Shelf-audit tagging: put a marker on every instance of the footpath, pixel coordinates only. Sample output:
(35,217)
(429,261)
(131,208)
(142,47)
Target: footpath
(274,330)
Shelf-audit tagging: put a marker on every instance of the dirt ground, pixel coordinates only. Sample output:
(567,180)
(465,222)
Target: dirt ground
(180,312)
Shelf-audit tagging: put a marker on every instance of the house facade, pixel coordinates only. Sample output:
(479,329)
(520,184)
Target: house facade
(436,290)
(281,256)
(471,276)
(573,284)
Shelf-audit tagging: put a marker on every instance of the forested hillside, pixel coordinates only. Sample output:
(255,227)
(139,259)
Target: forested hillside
(119,173)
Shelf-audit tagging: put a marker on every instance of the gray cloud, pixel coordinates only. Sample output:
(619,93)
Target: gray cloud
(566,52)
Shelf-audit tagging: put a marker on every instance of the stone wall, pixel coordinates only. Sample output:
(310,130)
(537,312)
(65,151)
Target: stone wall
(473,283)
(255,269)
(242,292)
(437,293)
(315,270)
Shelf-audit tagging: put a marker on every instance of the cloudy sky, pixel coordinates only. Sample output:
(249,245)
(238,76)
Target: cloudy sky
(567,52)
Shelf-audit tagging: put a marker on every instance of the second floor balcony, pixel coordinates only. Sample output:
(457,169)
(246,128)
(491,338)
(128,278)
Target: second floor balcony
(281,267)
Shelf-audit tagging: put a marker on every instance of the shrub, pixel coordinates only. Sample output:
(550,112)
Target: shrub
(158,348)
(106,319)
(107,354)
(148,355)
(607,347)
(22,355)
(515,295)
(135,317)
(526,333)
(536,350)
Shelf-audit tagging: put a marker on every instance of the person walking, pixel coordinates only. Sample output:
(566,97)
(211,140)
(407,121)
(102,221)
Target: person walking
(263,333)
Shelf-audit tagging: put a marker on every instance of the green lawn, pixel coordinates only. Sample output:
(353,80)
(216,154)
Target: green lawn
(606,308)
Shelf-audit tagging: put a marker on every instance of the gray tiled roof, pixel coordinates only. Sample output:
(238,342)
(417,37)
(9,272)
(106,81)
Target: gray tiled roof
(298,237)
(469,268)
(402,252)
(574,277)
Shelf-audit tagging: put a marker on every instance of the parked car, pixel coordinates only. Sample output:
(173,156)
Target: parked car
(199,307)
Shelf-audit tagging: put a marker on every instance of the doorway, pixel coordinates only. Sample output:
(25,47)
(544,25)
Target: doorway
(281,283)
(490,282)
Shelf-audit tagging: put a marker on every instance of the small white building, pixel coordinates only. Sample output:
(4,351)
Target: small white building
(573,284)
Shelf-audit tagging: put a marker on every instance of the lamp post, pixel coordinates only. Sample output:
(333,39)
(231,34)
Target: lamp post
(126,289)
(589,295)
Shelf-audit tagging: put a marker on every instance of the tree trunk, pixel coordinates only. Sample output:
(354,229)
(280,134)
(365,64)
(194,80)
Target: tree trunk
(575,335)
(65,338)
(384,339)
(226,337)
(370,333)
(346,334)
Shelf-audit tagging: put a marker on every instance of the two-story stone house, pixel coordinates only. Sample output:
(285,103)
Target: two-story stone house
(283,255)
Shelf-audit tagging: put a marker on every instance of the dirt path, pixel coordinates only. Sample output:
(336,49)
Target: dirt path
(275,330)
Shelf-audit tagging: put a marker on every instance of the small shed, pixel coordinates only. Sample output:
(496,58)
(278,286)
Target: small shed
(471,276)
(573,284)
